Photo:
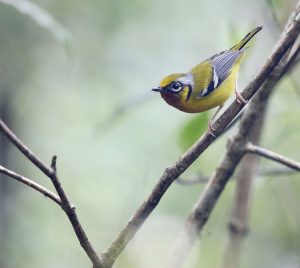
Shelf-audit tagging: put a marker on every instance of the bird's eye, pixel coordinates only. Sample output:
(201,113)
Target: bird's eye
(176,86)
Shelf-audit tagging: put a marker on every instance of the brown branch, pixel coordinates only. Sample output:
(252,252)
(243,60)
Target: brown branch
(293,59)
(207,201)
(238,223)
(238,226)
(253,149)
(31,184)
(294,16)
(173,172)
(66,205)
(168,176)
(24,149)
(235,152)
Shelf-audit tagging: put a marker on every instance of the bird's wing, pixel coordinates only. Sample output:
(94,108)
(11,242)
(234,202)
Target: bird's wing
(221,66)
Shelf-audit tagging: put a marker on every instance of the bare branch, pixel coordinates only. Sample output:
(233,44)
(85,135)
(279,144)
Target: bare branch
(170,174)
(293,58)
(66,205)
(294,16)
(232,123)
(31,184)
(24,149)
(253,149)
(207,201)
(53,163)
(173,172)
(238,225)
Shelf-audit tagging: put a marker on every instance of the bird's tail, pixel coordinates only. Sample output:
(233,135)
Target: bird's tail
(246,39)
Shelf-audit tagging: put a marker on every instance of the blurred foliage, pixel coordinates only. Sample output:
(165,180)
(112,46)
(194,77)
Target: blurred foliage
(276,3)
(40,16)
(91,105)
(192,130)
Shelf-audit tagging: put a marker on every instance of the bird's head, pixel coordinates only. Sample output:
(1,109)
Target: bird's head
(176,88)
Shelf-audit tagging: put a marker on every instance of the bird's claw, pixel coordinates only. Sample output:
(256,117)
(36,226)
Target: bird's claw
(211,129)
(239,98)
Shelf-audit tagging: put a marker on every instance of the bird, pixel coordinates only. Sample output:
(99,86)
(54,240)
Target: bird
(208,84)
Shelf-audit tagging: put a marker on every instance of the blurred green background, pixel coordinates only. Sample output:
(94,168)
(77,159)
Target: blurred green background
(82,91)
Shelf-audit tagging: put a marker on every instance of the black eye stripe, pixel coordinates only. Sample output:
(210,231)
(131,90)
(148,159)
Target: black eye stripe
(189,92)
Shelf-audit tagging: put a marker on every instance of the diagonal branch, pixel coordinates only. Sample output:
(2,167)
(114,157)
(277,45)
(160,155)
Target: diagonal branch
(66,205)
(253,149)
(24,149)
(31,184)
(238,225)
(173,172)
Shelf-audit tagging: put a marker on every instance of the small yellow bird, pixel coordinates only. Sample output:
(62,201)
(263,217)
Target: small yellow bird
(207,85)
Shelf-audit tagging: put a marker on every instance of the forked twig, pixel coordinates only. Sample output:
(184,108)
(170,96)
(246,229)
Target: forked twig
(66,205)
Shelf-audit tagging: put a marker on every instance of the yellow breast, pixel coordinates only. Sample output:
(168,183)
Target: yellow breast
(198,104)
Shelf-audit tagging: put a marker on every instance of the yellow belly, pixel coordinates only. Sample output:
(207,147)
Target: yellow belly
(216,98)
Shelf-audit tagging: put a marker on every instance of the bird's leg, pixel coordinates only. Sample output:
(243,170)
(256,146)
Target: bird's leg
(239,98)
(210,127)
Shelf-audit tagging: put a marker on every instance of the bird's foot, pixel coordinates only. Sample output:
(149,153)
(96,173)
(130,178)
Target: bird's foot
(211,129)
(239,98)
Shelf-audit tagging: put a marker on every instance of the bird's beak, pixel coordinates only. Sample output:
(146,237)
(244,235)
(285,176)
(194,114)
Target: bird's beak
(157,89)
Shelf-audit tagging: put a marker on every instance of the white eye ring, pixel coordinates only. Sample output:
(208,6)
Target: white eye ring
(176,86)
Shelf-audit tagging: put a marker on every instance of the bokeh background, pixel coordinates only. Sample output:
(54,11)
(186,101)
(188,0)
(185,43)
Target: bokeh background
(78,86)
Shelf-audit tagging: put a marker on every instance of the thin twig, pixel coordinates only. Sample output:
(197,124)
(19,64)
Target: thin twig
(173,172)
(31,184)
(253,149)
(66,205)
(24,149)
